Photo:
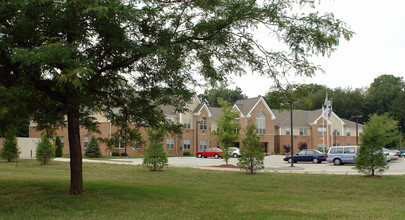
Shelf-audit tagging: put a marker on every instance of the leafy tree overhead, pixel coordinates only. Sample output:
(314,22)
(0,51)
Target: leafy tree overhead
(228,128)
(229,95)
(379,131)
(125,58)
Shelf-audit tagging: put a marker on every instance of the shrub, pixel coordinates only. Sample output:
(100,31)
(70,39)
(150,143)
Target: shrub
(155,157)
(253,154)
(10,149)
(58,147)
(186,153)
(115,154)
(287,149)
(45,150)
(124,155)
(302,146)
(93,149)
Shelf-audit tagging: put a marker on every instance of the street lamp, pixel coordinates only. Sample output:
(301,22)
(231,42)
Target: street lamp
(357,130)
(292,139)
(196,136)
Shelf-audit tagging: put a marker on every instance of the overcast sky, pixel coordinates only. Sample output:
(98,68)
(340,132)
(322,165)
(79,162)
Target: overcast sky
(377,48)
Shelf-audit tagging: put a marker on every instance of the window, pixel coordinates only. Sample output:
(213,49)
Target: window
(218,145)
(203,123)
(62,140)
(187,144)
(170,118)
(310,152)
(236,121)
(170,144)
(337,150)
(347,131)
(302,153)
(321,130)
(349,150)
(322,146)
(303,131)
(260,123)
(287,131)
(336,132)
(86,141)
(138,144)
(187,123)
(119,143)
(203,144)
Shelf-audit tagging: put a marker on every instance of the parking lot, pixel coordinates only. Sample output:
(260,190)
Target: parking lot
(273,163)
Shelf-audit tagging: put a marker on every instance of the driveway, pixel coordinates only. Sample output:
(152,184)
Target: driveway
(273,163)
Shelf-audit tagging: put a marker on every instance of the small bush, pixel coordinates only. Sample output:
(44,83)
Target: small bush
(58,147)
(115,154)
(124,155)
(287,149)
(186,153)
(45,150)
(10,149)
(155,158)
(93,149)
(302,146)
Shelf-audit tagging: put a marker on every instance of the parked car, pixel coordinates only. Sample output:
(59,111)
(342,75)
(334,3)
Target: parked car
(211,152)
(307,155)
(339,155)
(392,154)
(401,153)
(234,152)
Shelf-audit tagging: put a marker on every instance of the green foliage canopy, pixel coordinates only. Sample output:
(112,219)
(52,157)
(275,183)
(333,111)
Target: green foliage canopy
(379,131)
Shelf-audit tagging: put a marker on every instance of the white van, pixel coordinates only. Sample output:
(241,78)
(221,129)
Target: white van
(339,155)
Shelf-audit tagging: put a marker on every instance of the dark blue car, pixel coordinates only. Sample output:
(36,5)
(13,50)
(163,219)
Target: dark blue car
(307,155)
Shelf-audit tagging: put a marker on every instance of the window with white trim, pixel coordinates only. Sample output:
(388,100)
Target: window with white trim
(119,143)
(203,144)
(260,123)
(62,141)
(187,144)
(85,141)
(203,123)
(336,132)
(321,130)
(170,144)
(187,123)
(287,131)
(304,131)
(347,131)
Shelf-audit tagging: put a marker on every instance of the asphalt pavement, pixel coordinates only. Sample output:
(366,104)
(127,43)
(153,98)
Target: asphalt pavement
(272,163)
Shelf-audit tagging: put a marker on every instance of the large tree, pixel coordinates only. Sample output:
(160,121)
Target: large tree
(125,58)
(230,95)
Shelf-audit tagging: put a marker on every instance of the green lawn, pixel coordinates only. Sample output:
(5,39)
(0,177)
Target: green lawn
(33,191)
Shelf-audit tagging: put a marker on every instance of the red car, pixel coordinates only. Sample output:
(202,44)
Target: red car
(211,152)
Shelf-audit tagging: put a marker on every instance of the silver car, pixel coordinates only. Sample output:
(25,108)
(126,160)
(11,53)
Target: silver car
(234,152)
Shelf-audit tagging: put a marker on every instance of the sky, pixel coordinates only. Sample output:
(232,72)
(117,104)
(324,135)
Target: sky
(378,47)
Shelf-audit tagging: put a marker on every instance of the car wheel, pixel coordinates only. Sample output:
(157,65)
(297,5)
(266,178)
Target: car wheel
(216,156)
(199,156)
(315,160)
(289,160)
(337,162)
(235,155)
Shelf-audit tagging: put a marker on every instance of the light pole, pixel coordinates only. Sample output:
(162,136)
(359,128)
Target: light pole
(196,136)
(292,139)
(357,130)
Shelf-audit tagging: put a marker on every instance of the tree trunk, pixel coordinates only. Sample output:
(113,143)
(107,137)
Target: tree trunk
(76,175)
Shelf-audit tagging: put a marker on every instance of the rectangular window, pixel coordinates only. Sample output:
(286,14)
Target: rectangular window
(337,150)
(86,141)
(170,144)
(203,144)
(321,130)
(287,131)
(203,123)
(218,145)
(62,140)
(349,150)
(187,144)
(347,131)
(236,121)
(138,145)
(187,123)
(303,131)
(119,143)
(322,146)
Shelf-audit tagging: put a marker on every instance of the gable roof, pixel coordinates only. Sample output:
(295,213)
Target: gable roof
(200,107)
(216,113)
(246,106)
(351,124)
(301,117)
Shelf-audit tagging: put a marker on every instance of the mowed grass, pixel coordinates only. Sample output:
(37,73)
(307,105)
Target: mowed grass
(33,191)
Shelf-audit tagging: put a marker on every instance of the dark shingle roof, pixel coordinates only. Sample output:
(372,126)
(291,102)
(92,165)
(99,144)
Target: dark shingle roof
(300,117)
(246,105)
(216,113)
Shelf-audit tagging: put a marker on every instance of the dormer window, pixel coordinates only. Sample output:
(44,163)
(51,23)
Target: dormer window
(203,123)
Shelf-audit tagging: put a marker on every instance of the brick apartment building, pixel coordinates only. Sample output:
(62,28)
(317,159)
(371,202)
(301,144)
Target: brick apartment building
(314,128)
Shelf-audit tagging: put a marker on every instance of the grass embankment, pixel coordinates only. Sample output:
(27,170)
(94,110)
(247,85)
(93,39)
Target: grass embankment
(33,191)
